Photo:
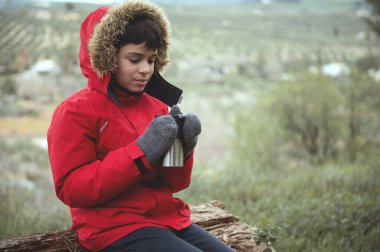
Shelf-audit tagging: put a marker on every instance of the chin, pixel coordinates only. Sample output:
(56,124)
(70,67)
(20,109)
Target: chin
(140,89)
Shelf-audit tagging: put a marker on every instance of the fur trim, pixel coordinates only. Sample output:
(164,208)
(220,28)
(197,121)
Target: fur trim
(101,45)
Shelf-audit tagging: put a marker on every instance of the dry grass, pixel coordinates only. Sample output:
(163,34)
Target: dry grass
(28,125)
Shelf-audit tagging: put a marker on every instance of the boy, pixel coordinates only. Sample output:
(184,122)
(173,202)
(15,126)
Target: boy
(106,141)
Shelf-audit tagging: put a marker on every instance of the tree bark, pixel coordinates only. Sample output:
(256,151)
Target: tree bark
(211,216)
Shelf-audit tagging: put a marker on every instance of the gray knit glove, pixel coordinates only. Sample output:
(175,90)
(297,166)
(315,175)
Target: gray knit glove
(191,129)
(158,138)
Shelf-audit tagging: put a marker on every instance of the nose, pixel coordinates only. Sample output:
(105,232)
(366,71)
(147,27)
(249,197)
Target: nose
(144,68)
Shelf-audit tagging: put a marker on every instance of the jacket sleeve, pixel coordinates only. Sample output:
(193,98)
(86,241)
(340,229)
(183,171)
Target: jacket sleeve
(80,179)
(178,178)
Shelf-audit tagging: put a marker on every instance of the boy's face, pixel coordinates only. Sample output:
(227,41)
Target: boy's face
(136,65)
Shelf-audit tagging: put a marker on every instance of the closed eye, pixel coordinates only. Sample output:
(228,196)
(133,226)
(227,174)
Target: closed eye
(134,61)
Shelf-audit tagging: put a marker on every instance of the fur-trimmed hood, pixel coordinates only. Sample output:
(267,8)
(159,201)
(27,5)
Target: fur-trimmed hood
(101,29)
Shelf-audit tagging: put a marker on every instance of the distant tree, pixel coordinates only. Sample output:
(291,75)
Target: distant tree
(296,119)
(8,92)
(308,110)
(312,117)
(21,61)
(361,106)
(7,87)
(68,57)
(261,62)
(374,19)
(69,6)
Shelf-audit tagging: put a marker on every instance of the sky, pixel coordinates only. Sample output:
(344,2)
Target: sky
(80,1)
(46,3)
(114,1)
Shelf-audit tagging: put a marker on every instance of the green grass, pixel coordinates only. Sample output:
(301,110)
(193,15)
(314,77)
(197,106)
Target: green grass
(28,204)
(323,208)
(25,212)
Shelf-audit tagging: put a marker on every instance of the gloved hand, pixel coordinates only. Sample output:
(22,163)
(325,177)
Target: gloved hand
(191,129)
(158,138)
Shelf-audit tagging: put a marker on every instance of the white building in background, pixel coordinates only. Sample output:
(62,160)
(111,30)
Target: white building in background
(40,81)
(41,67)
(46,66)
(335,69)
(375,74)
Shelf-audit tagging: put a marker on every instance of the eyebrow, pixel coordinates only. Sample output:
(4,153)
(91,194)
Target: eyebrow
(139,54)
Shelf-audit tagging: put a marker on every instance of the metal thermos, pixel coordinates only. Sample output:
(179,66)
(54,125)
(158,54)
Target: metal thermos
(174,157)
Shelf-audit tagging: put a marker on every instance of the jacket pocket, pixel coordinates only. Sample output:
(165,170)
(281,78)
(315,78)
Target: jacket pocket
(114,132)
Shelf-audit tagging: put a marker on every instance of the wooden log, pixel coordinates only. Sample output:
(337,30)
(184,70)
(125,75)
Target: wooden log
(211,216)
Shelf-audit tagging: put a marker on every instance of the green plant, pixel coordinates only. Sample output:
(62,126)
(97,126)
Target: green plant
(267,233)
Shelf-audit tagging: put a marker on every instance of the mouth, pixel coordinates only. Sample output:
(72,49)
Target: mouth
(141,82)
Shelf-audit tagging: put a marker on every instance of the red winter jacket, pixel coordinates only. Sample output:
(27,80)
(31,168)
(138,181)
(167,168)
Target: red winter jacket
(94,160)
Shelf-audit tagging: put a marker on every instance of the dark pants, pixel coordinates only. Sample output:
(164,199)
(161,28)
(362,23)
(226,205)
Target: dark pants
(154,239)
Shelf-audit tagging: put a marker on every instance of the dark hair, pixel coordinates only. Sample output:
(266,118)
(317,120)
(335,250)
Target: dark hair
(141,29)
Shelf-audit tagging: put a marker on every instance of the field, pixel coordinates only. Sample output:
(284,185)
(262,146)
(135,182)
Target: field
(232,61)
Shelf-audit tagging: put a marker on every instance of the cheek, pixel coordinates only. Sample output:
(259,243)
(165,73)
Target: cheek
(151,69)
(125,69)
(123,75)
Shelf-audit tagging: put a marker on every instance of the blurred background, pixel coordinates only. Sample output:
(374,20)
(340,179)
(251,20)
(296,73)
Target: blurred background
(288,92)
